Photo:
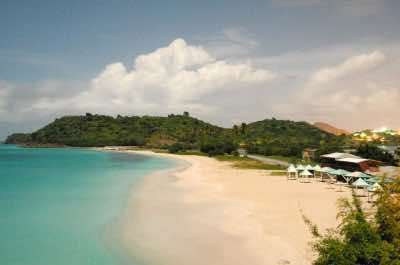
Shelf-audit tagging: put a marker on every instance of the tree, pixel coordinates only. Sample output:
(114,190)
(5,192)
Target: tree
(374,152)
(175,148)
(361,239)
(235,129)
(243,128)
(214,146)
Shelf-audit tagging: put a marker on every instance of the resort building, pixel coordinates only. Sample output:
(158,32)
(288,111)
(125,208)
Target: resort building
(349,162)
(309,154)
(242,152)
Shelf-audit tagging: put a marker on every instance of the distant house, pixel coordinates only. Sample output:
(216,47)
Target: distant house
(349,162)
(309,153)
(242,152)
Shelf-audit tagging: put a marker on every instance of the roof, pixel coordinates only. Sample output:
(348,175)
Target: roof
(360,182)
(326,169)
(340,155)
(357,174)
(317,168)
(309,167)
(305,173)
(291,169)
(340,172)
(352,160)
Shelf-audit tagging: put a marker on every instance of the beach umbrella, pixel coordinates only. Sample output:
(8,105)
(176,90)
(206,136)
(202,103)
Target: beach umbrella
(340,172)
(317,168)
(359,174)
(292,172)
(306,173)
(356,175)
(343,172)
(373,180)
(360,183)
(348,177)
(331,171)
(291,169)
(309,167)
(326,169)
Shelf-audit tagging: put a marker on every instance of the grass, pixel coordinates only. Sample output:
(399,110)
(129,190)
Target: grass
(285,158)
(192,153)
(247,163)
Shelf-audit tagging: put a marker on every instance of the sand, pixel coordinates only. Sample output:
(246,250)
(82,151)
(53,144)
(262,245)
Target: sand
(209,213)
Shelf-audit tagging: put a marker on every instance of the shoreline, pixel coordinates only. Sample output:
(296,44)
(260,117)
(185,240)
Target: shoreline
(206,212)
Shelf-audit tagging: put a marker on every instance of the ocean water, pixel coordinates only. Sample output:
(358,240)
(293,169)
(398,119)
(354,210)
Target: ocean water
(56,205)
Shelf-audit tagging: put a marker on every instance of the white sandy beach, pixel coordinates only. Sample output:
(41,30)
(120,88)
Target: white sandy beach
(207,212)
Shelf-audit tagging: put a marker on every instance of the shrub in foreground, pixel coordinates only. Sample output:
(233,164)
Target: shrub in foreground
(363,239)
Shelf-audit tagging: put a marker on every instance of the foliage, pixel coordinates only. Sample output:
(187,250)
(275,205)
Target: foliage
(267,137)
(191,153)
(362,239)
(176,147)
(374,152)
(217,146)
(326,149)
(18,138)
(100,130)
(388,137)
(286,138)
(291,160)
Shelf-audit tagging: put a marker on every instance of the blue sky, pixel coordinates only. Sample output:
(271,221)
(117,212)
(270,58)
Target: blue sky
(52,51)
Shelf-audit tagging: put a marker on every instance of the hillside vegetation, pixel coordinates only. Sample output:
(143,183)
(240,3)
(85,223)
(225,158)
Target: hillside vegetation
(287,138)
(100,130)
(180,132)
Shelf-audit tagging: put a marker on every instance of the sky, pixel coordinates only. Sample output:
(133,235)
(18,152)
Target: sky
(336,61)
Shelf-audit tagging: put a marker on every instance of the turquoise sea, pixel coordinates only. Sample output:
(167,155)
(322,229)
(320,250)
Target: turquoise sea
(56,205)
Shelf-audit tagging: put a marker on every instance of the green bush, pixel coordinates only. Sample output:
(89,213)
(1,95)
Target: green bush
(374,152)
(215,146)
(361,239)
(176,147)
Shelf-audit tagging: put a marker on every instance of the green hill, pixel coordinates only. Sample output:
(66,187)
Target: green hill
(284,137)
(177,132)
(100,130)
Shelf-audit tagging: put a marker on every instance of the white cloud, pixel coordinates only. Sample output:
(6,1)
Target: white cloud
(358,93)
(231,42)
(360,90)
(172,78)
(353,65)
(239,36)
